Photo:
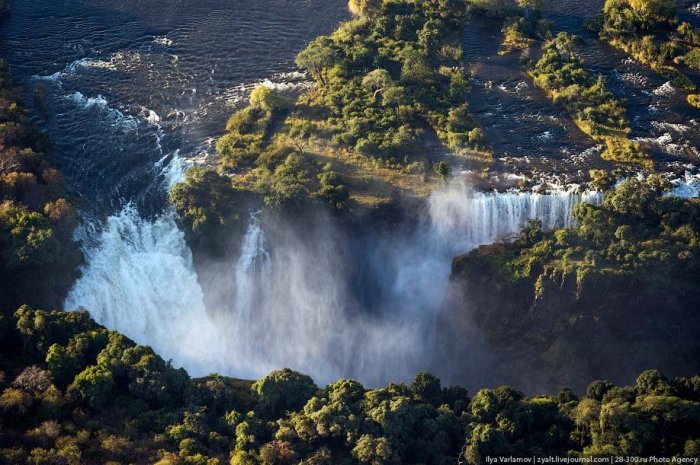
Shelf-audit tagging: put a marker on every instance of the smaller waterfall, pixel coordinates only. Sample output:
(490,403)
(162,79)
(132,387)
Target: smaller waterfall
(252,271)
(469,219)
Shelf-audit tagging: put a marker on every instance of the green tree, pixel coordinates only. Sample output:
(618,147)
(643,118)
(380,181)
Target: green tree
(317,57)
(377,81)
(208,206)
(370,8)
(62,365)
(267,99)
(282,391)
(93,386)
(372,450)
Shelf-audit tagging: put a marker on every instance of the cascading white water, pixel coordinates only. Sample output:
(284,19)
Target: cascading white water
(292,306)
(139,280)
(469,219)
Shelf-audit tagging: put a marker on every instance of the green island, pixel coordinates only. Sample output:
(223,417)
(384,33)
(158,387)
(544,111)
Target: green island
(389,87)
(649,31)
(387,116)
(561,74)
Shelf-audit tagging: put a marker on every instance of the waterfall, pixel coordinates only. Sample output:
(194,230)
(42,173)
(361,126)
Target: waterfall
(252,272)
(139,280)
(290,303)
(469,219)
(292,306)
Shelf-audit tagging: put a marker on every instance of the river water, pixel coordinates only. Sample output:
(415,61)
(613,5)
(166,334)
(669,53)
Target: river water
(138,91)
(128,83)
(532,136)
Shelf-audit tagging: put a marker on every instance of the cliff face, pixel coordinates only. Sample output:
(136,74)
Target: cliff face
(553,330)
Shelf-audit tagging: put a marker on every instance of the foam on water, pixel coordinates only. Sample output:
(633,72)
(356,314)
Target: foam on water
(165,41)
(665,90)
(114,116)
(686,187)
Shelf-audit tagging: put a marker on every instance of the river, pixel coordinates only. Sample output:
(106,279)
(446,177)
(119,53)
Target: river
(136,92)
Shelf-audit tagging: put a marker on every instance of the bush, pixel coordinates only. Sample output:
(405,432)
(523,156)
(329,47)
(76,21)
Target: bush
(282,391)
(93,386)
(692,59)
(208,206)
(442,169)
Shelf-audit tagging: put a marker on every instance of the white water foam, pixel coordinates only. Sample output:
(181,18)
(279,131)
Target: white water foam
(114,116)
(139,280)
(686,187)
(664,143)
(163,40)
(665,90)
(75,66)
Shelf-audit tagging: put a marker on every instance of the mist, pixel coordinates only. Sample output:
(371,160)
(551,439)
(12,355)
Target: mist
(308,294)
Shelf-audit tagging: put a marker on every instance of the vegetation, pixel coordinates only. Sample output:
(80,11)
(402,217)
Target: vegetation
(39,257)
(76,393)
(560,72)
(73,392)
(635,231)
(523,27)
(694,100)
(648,31)
(390,91)
(208,207)
(387,79)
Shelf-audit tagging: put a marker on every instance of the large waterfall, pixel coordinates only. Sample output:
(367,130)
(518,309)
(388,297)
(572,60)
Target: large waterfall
(139,280)
(292,304)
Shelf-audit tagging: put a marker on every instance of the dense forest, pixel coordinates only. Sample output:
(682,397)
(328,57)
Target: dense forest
(75,392)
(386,118)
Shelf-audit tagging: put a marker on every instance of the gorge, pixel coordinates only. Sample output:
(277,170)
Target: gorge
(347,302)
